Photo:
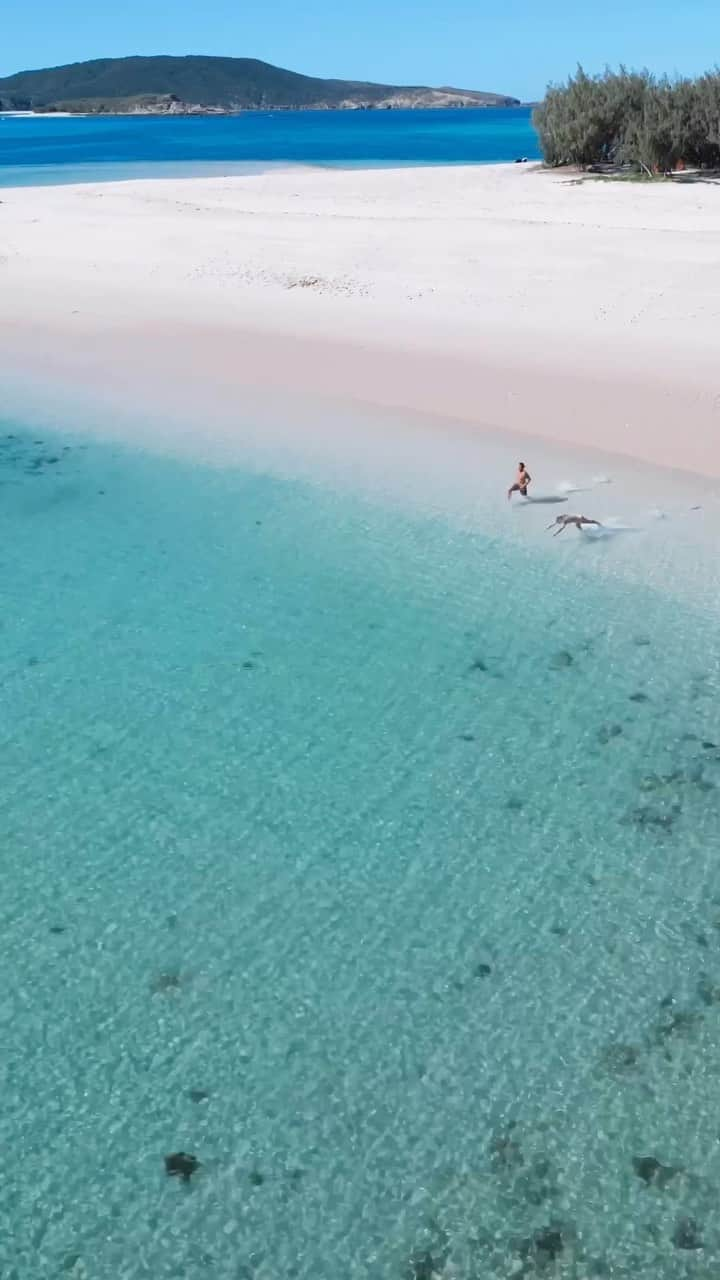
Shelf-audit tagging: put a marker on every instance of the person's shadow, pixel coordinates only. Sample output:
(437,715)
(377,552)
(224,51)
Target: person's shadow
(550,500)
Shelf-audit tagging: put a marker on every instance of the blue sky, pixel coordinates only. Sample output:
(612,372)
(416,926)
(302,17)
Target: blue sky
(509,46)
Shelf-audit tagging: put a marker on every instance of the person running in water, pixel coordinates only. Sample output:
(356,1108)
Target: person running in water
(578,521)
(522,481)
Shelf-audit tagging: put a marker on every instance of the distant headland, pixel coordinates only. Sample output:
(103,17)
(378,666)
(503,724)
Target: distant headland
(198,85)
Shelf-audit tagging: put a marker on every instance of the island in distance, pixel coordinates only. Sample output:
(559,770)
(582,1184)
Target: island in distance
(198,85)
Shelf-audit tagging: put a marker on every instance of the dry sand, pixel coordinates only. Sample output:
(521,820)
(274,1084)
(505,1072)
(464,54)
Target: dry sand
(585,312)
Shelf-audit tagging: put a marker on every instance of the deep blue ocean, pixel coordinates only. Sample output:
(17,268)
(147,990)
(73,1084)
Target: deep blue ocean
(60,149)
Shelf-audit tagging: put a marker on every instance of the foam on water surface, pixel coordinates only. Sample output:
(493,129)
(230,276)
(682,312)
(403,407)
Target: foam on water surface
(367,858)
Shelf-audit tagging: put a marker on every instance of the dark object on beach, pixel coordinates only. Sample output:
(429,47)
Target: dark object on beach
(687,1234)
(561,660)
(198,1095)
(639,697)
(181,1165)
(482,970)
(652,1172)
(521,160)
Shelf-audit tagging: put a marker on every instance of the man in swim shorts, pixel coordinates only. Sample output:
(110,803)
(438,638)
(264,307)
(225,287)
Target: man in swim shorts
(578,521)
(522,481)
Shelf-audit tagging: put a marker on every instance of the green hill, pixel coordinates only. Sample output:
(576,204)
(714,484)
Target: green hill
(199,84)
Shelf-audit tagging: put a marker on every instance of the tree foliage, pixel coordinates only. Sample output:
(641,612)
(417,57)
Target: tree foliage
(631,118)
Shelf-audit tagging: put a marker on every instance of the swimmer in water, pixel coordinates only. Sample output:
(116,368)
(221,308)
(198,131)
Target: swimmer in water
(578,521)
(522,481)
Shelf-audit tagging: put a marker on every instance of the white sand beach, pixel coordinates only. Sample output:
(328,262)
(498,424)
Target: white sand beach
(586,312)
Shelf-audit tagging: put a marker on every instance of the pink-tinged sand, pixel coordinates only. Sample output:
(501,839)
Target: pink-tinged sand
(587,314)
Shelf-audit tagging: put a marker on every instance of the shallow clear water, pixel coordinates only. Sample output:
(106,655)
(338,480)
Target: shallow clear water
(57,149)
(369,860)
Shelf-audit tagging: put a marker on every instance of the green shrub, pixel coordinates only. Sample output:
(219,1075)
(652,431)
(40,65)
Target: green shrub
(631,118)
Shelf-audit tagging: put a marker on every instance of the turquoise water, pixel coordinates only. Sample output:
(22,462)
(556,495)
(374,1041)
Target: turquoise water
(57,149)
(368,860)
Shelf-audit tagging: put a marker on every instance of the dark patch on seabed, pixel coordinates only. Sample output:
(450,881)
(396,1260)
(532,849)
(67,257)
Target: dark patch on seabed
(31,457)
(525,1177)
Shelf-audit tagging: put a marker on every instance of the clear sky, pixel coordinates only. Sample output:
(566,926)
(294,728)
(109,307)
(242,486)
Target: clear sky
(508,46)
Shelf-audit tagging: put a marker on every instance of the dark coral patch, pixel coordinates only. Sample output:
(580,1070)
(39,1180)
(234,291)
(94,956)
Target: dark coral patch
(181,1165)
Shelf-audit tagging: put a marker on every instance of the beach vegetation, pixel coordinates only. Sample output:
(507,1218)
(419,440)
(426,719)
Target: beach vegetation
(632,121)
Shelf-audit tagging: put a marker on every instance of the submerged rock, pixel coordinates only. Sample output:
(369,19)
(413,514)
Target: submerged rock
(661,781)
(561,660)
(681,1023)
(544,1247)
(687,1234)
(537,1184)
(607,732)
(505,1149)
(708,991)
(165,983)
(181,1165)
(653,1173)
(618,1059)
(653,819)
(422,1266)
